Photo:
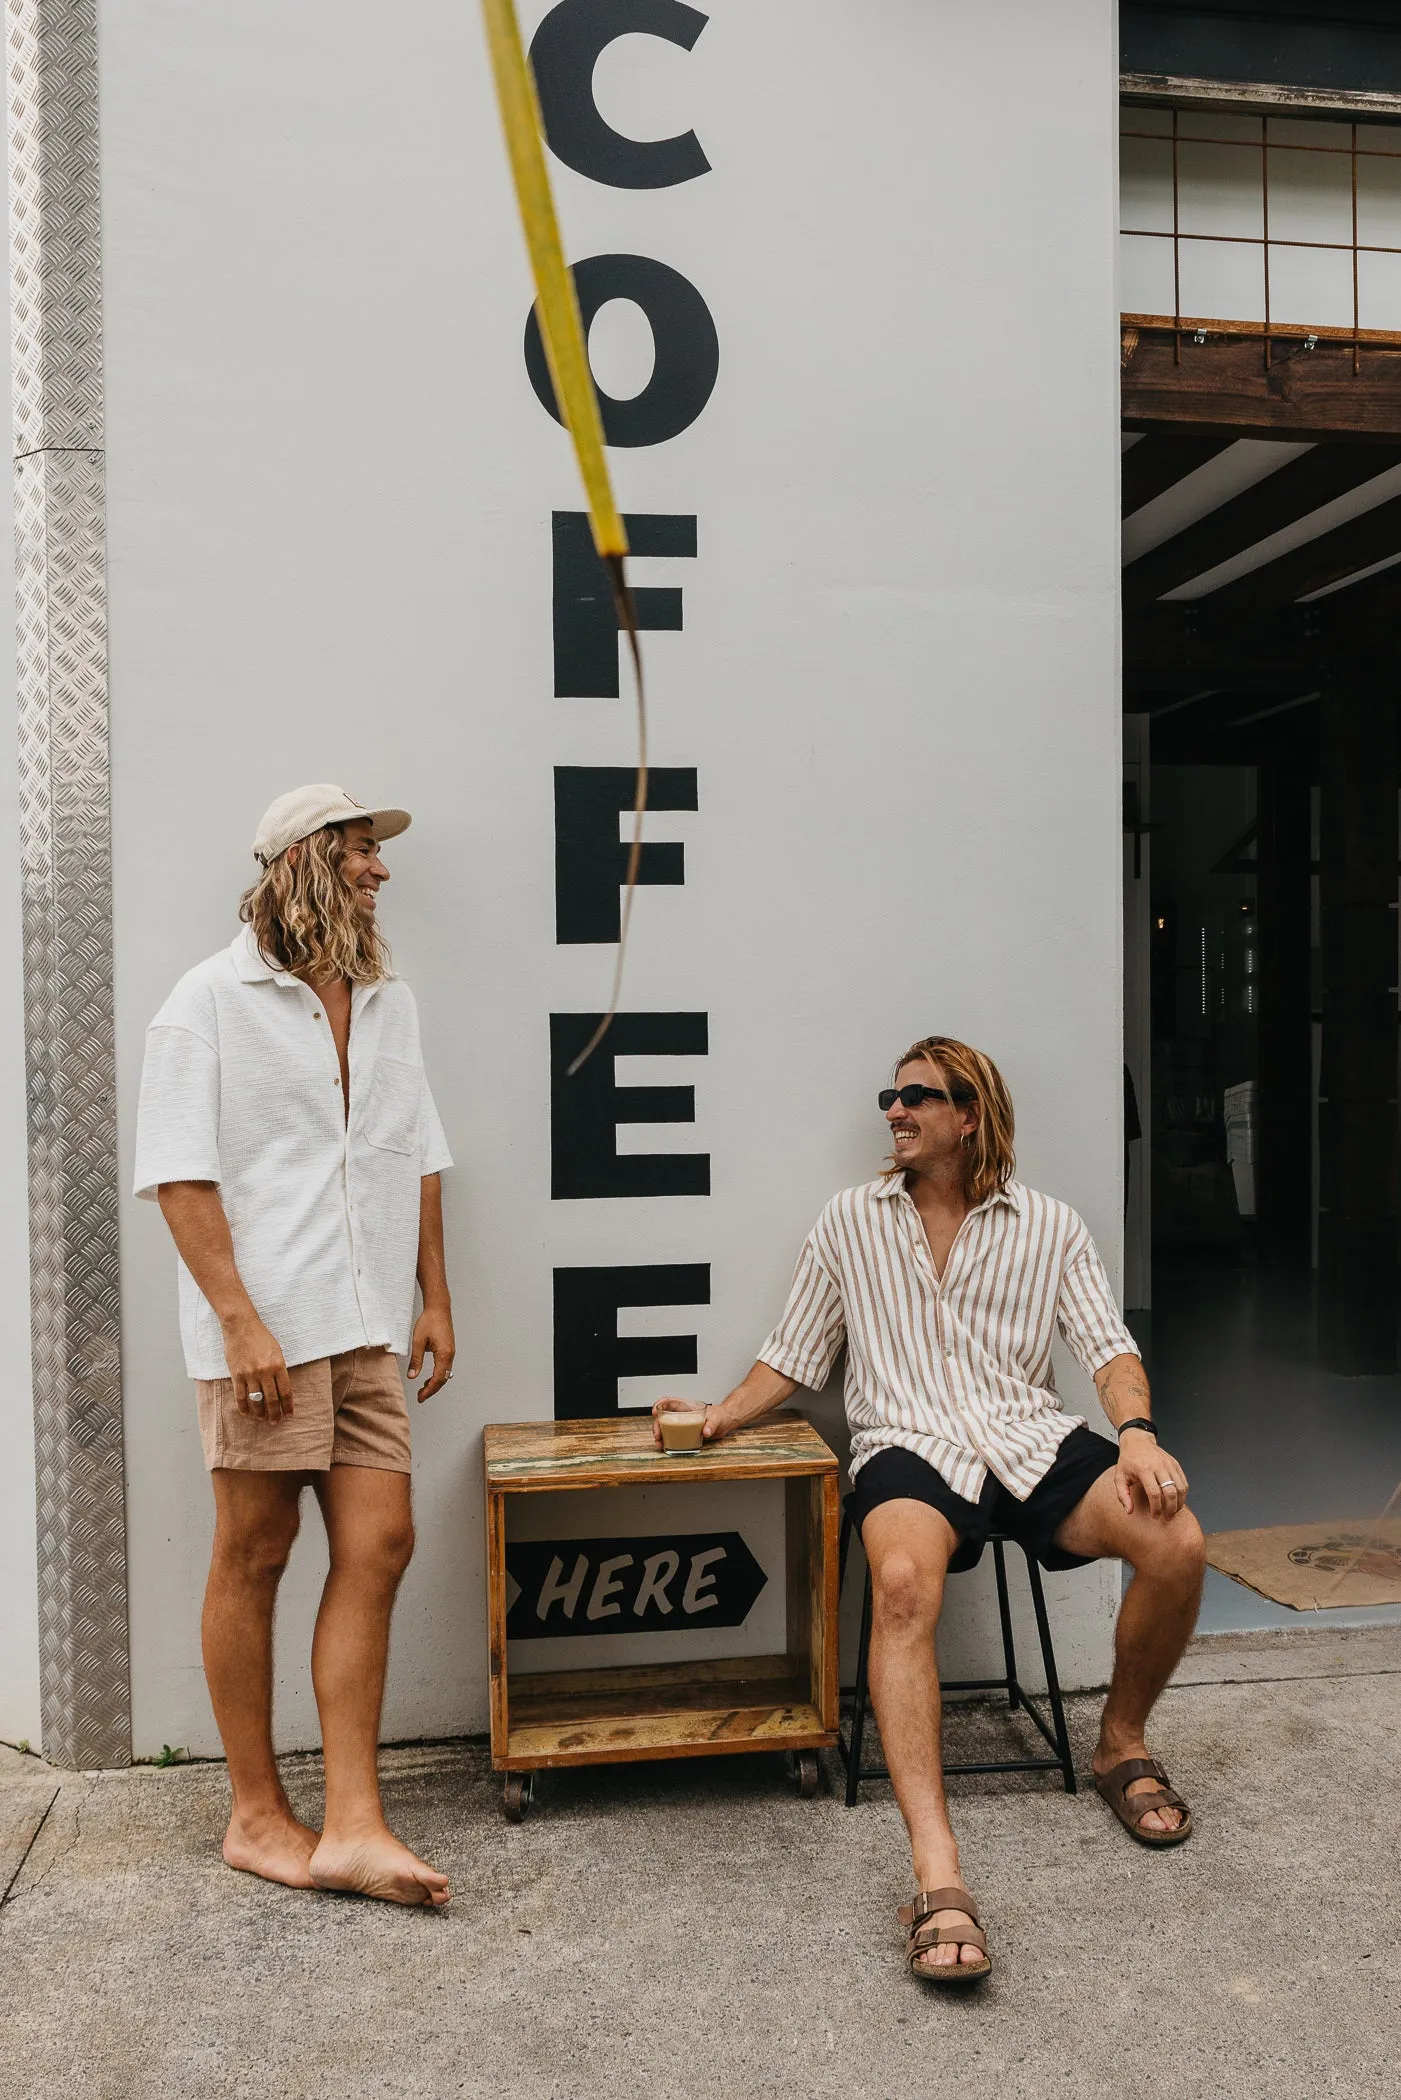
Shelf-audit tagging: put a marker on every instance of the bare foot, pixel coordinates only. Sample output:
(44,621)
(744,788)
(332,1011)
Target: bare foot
(376,1864)
(278,1848)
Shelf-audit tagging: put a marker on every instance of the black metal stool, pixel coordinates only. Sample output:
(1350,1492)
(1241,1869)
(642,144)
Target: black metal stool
(849,1743)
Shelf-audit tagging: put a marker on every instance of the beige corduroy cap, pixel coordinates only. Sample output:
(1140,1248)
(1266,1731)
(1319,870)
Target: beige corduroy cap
(306,809)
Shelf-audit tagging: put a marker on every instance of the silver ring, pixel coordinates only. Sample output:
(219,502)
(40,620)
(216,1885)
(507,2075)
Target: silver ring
(255,1396)
(1167,1483)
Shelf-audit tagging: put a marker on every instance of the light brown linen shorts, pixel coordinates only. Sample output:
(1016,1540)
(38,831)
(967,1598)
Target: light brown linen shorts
(347,1410)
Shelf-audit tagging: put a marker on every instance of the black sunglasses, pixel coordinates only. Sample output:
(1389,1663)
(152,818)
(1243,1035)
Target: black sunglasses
(913,1096)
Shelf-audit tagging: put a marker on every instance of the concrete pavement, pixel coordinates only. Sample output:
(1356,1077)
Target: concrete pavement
(694,1929)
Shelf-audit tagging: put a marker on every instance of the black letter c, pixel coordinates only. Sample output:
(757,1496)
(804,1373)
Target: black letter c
(566,48)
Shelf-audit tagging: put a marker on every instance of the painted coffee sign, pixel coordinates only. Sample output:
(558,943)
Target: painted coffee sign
(586,1111)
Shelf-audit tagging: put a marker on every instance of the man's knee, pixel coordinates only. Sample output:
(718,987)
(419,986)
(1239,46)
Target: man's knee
(381,1550)
(906,1592)
(256,1549)
(1174,1550)
(398,1546)
(1189,1542)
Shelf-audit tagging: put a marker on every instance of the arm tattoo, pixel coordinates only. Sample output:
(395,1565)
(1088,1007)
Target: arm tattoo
(1123,1392)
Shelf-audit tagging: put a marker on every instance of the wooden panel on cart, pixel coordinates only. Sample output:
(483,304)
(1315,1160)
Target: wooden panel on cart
(706,1707)
(578,1717)
(618,1450)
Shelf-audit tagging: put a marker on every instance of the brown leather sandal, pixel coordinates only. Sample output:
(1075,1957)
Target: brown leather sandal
(1131,1809)
(920,1937)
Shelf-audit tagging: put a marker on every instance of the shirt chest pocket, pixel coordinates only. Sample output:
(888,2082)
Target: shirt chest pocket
(392,1112)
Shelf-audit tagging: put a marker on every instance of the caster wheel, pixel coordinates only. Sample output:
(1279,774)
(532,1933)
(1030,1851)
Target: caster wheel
(517,1795)
(806,1773)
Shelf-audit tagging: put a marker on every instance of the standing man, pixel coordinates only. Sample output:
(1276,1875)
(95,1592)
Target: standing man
(287,1131)
(947,1279)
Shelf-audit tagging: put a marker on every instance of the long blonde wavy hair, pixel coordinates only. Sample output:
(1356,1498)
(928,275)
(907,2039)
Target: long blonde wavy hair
(973,1080)
(305,918)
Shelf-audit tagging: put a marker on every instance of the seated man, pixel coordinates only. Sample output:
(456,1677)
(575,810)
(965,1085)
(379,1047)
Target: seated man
(947,1279)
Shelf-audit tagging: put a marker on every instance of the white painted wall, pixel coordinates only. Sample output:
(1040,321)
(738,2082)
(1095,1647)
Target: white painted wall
(19,1599)
(330,488)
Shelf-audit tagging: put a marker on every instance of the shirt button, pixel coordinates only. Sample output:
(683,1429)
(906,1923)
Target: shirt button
(335,1082)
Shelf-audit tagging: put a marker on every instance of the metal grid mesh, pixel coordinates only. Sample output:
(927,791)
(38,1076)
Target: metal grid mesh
(66,878)
(1275,137)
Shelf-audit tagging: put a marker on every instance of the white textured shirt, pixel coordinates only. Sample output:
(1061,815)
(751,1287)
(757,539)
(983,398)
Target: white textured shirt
(958,1369)
(241,1086)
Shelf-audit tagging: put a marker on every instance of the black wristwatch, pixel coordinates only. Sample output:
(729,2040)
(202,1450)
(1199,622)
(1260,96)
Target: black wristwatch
(1138,1422)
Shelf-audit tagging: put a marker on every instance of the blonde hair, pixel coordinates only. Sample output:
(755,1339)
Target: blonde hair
(304,915)
(973,1080)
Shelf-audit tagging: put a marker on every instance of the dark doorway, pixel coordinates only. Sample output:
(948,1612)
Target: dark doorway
(1261,972)
(1204,1020)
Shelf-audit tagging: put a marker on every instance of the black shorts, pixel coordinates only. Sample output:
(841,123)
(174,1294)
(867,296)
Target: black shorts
(897,1475)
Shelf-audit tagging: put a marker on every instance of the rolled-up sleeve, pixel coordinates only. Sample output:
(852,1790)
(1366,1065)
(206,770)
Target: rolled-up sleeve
(807,1340)
(433,1153)
(1086,1312)
(177,1120)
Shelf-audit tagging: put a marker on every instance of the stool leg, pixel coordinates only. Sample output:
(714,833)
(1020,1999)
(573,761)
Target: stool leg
(858,1699)
(1048,1657)
(1004,1613)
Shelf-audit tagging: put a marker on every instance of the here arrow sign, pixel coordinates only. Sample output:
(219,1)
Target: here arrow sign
(630,1585)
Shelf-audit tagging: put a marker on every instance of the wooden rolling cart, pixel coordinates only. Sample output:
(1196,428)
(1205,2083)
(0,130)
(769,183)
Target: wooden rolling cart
(786,1703)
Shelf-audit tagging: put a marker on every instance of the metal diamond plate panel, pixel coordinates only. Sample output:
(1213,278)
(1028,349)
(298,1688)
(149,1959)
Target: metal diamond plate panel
(55,252)
(66,877)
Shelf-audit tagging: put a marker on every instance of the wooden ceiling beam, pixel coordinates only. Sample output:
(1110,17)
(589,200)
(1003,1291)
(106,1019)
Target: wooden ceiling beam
(1304,485)
(1226,383)
(1233,709)
(1190,641)
(1328,559)
(1291,740)
(1369,607)
(1260,648)
(1159,460)
(1145,694)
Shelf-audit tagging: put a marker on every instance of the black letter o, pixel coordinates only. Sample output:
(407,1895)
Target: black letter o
(686,347)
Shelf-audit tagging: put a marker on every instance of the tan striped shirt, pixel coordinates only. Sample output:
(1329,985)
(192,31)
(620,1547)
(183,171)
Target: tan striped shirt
(957,1371)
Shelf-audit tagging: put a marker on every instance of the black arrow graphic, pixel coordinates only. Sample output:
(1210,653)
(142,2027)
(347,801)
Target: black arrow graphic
(668,1583)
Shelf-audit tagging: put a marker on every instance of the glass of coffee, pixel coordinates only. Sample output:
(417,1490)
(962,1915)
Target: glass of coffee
(681,1432)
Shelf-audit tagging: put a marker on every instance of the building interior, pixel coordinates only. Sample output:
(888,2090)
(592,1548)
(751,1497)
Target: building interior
(1261,587)
(1260,832)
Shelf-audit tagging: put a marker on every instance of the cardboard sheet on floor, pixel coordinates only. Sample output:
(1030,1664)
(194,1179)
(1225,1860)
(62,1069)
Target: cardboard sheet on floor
(1315,1567)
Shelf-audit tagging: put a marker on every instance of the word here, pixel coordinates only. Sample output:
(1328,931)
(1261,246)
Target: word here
(629,1585)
